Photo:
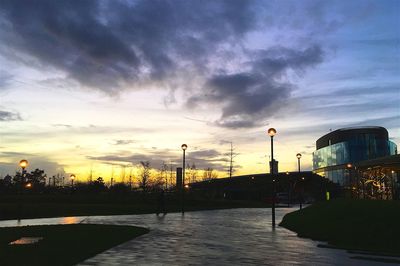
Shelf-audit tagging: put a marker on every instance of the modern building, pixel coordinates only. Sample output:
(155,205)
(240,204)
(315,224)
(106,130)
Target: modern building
(346,156)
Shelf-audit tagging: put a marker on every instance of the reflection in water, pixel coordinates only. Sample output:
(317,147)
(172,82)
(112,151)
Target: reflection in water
(70,220)
(220,237)
(26,241)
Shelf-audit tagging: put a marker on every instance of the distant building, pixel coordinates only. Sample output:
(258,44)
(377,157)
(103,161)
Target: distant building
(347,156)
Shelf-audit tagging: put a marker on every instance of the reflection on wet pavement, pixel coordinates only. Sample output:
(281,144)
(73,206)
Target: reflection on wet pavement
(26,241)
(219,237)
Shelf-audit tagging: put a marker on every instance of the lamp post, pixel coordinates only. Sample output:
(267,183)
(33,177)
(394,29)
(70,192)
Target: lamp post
(349,167)
(23,164)
(298,160)
(289,188)
(184,147)
(298,166)
(301,192)
(72,180)
(271,133)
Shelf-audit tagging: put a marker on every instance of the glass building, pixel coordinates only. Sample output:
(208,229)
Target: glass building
(339,152)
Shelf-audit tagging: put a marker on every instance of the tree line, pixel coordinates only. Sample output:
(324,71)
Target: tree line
(147,179)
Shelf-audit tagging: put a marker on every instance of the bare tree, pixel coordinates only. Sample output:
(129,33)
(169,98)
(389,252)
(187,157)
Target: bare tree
(144,176)
(162,177)
(192,173)
(231,154)
(209,174)
(164,170)
(172,178)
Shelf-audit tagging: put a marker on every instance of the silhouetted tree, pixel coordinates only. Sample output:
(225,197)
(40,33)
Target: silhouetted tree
(6,183)
(144,176)
(192,173)
(209,174)
(120,188)
(37,179)
(163,176)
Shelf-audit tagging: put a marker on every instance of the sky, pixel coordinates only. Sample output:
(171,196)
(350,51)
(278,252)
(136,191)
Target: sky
(98,86)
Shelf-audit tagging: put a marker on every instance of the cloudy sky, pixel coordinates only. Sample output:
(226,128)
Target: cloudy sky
(103,85)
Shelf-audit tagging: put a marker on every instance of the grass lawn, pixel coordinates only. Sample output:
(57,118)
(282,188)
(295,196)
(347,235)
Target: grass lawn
(369,225)
(62,244)
(56,206)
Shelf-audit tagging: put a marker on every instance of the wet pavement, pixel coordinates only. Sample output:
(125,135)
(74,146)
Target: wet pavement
(218,237)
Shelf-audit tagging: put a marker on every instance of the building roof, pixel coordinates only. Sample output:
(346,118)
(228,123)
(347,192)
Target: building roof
(343,134)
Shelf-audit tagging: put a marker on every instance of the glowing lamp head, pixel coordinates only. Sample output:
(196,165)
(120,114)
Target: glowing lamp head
(23,164)
(29,185)
(186,186)
(72,177)
(184,146)
(271,132)
(298,155)
(302,178)
(349,165)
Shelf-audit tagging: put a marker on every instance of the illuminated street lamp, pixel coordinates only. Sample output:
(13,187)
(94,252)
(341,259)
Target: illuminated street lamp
(184,147)
(298,160)
(349,167)
(23,164)
(72,180)
(302,192)
(271,133)
(298,167)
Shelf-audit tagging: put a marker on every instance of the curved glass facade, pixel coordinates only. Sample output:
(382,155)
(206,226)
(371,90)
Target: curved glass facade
(352,151)
(331,159)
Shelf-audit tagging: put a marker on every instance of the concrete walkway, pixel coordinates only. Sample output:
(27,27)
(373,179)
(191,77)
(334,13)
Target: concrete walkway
(220,237)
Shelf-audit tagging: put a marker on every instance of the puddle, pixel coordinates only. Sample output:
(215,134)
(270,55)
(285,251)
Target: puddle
(26,241)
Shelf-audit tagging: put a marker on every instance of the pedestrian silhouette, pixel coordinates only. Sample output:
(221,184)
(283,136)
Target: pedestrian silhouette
(161,203)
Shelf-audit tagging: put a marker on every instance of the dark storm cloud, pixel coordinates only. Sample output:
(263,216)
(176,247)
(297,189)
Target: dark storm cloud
(35,161)
(110,45)
(5,79)
(106,44)
(9,116)
(202,158)
(204,154)
(247,98)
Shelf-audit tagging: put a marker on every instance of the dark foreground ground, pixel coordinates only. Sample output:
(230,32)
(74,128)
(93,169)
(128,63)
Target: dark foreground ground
(44,206)
(367,225)
(62,244)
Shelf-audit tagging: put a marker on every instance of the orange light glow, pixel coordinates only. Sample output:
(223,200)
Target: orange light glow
(272,131)
(23,164)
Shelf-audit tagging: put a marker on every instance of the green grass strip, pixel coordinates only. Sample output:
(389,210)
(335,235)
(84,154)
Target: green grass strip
(62,244)
(370,225)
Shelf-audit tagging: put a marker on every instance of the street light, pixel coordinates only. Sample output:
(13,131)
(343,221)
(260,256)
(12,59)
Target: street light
(271,133)
(298,160)
(184,147)
(349,167)
(72,180)
(298,166)
(23,164)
